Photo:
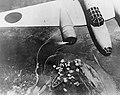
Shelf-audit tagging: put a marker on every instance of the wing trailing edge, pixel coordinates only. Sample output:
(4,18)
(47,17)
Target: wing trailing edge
(47,14)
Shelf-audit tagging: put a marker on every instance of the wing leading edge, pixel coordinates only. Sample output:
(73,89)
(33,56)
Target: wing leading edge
(47,14)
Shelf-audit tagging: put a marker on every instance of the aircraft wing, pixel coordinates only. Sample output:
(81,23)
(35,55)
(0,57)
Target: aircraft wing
(47,14)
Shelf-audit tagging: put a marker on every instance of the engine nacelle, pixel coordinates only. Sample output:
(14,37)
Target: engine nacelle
(67,28)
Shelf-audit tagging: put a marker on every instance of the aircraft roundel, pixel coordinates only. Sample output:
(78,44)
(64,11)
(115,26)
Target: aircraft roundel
(13,17)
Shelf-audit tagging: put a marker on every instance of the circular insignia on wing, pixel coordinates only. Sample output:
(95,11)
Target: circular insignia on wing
(13,17)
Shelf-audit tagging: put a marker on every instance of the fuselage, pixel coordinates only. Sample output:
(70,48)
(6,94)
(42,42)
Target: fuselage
(97,26)
(95,23)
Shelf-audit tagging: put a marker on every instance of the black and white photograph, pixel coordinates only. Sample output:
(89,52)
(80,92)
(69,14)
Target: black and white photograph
(59,47)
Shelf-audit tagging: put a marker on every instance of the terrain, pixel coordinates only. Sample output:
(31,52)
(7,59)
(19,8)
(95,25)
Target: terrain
(19,46)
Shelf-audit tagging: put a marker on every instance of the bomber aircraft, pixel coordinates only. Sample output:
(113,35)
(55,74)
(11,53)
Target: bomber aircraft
(68,14)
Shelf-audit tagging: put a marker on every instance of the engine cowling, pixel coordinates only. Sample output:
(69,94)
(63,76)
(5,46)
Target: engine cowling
(67,28)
